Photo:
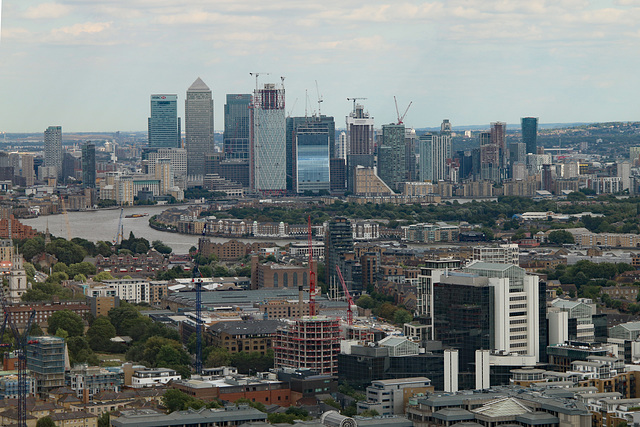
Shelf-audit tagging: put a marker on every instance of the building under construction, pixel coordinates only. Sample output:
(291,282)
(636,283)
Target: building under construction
(311,343)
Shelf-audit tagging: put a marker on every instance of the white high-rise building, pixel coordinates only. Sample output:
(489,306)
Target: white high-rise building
(434,151)
(268,140)
(178,158)
(341,147)
(624,172)
(198,118)
(53,148)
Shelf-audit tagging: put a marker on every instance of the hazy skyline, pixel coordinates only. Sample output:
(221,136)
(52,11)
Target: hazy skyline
(91,65)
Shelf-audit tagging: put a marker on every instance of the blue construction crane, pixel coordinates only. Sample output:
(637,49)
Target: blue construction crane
(198,287)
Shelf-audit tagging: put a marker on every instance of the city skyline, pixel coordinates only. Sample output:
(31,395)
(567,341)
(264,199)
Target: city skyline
(470,61)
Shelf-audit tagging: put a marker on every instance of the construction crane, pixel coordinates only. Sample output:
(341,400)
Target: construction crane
(347,295)
(66,217)
(20,345)
(401,118)
(256,76)
(312,274)
(119,232)
(354,101)
(320,100)
(198,287)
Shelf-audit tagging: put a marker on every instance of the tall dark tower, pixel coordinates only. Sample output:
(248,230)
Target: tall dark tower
(339,241)
(88,165)
(198,118)
(530,133)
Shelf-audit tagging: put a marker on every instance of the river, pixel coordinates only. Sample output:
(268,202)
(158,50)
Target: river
(103,224)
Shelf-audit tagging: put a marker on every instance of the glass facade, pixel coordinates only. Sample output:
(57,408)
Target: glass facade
(313,155)
(163,123)
(530,133)
(237,126)
(392,156)
(89,166)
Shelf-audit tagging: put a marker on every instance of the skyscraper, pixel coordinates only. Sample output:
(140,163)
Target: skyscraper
(88,165)
(293,123)
(313,153)
(499,138)
(237,126)
(530,133)
(164,124)
(268,140)
(339,241)
(198,123)
(392,167)
(489,157)
(359,142)
(434,151)
(53,148)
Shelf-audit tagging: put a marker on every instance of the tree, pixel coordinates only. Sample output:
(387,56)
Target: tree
(402,316)
(218,357)
(104,420)
(365,301)
(560,237)
(175,400)
(80,278)
(100,333)
(123,318)
(45,422)
(85,268)
(80,352)
(103,275)
(67,320)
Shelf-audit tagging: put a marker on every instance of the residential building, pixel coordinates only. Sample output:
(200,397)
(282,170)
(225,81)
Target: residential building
(53,149)
(177,158)
(502,254)
(88,381)
(164,124)
(89,165)
(359,144)
(142,378)
(198,123)
(434,151)
(268,140)
(233,387)
(392,167)
(249,336)
(529,126)
(47,362)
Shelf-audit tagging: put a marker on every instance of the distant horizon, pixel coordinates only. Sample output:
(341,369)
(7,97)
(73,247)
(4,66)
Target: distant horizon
(557,125)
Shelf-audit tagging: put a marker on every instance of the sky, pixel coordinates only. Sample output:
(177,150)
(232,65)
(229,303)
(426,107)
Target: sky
(91,65)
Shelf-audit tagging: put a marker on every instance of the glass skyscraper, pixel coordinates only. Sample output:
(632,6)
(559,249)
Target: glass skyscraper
(392,167)
(237,126)
(530,133)
(313,152)
(164,125)
(198,118)
(88,165)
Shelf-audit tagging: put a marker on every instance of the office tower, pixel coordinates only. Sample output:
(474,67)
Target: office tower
(164,125)
(530,133)
(326,123)
(499,138)
(313,153)
(178,157)
(88,165)
(237,126)
(341,146)
(71,166)
(434,151)
(546,182)
(338,174)
(198,125)
(53,149)
(308,343)
(392,168)
(28,171)
(268,141)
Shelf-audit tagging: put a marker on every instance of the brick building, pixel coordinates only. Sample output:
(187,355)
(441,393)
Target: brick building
(18,229)
(140,265)
(272,275)
(249,336)
(20,313)
(264,391)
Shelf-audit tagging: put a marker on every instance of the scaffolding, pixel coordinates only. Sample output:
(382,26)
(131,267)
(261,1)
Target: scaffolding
(310,342)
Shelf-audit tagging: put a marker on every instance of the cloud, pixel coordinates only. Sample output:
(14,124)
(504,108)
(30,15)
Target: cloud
(47,11)
(81,29)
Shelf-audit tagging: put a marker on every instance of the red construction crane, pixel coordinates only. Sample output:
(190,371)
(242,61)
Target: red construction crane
(401,118)
(348,295)
(312,274)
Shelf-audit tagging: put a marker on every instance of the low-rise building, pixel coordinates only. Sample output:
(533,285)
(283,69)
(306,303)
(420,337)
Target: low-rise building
(389,397)
(229,416)
(249,336)
(153,377)
(87,381)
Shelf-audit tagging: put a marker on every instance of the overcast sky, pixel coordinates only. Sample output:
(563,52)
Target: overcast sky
(90,65)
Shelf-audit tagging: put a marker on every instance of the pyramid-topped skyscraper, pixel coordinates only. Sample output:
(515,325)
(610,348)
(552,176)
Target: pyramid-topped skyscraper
(198,110)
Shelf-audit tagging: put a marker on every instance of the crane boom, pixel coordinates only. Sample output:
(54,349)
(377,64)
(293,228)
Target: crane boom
(354,99)
(348,295)
(118,239)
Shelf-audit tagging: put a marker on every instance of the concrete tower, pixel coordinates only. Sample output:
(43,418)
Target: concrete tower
(198,123)
(53,148)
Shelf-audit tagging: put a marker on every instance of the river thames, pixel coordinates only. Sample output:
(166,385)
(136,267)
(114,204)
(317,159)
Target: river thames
(103,224)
